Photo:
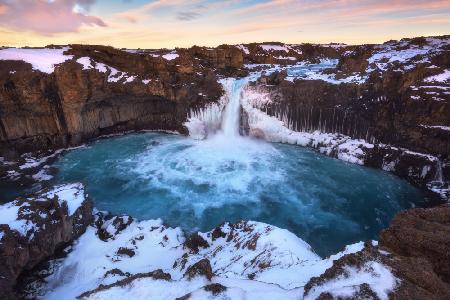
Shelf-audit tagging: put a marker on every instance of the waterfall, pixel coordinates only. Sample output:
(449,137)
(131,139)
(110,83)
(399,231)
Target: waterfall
(231,114)
(438,176)
(223,117)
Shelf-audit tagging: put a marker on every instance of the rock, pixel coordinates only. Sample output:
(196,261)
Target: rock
(200,268)
(194,242)
(422,233)
(125,251)
(414,248)
(108,225)
(38,226)
(215,288)
(115,91)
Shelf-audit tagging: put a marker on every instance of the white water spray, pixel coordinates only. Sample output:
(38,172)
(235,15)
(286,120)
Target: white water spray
(231,115)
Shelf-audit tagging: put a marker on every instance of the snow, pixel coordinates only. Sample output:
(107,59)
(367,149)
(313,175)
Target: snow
(170,56)
(286,57)
(405,53)
(42,175)
(276,256)
(72,194)
(378,276)
(42,59)
(34,162)
(441,127)
(443,77)
(86,62)
(114,75)
(243,48)
(274,48)
(130,79)
(9,213)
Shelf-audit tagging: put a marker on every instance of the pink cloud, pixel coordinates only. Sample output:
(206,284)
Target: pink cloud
(47,17)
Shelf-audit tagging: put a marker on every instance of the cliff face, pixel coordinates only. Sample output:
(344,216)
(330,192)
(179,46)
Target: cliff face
(100,90)
(394,96)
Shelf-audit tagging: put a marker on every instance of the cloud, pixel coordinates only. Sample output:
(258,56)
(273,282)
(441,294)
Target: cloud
(187,15)
(47,17)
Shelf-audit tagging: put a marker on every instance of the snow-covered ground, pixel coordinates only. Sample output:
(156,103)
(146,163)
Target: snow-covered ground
(253,260)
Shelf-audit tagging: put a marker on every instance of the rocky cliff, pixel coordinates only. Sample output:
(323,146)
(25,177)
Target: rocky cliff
(33,229)
(97,90)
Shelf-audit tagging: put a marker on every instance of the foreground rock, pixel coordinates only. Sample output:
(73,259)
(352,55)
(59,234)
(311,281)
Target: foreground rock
(34,228)
(416,248)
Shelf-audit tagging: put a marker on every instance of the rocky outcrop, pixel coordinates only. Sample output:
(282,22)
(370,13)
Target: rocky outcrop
(393,96)
(416,249)
(34,228)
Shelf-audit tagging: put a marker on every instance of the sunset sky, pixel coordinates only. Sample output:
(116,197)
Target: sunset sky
(182,23)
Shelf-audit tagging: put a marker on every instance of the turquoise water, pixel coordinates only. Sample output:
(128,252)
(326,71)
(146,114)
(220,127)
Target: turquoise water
(199,184)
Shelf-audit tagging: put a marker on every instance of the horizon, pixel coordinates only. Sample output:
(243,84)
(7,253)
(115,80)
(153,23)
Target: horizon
(206,46)
(156,24)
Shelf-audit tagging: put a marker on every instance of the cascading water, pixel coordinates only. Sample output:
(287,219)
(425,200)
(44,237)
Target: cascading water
(231,115)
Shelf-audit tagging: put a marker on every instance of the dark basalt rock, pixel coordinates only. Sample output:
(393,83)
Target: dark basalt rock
(423,233)
(108,225)
(215,288)
(194,242)
(200,268)
(125,252)
(53,228)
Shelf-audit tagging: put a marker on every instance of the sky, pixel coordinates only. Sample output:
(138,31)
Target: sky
(182,23)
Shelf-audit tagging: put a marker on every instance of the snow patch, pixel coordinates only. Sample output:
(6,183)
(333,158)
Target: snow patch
(443,77)
(43,59)
(72,194)
(170,56)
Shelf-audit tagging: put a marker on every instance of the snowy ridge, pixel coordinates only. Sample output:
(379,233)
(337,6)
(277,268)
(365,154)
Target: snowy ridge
(406,53)
(250,259)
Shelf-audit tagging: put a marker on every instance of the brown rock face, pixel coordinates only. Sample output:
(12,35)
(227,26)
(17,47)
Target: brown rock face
(423,233)
(121,91)
(52,228)
(418,248)
(200,268)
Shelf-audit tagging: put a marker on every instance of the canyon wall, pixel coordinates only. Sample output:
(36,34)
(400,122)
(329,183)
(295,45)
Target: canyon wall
(100,90)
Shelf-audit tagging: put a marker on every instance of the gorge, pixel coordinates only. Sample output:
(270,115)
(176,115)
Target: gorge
(246,110)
